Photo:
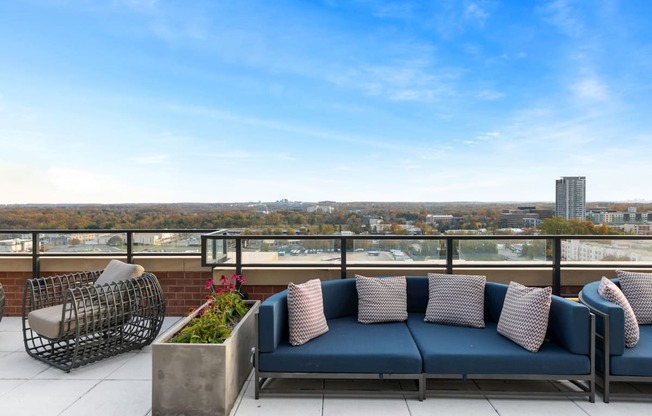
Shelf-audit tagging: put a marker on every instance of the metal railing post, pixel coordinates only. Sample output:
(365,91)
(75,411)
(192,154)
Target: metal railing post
(36,255)
(449,255)
(130,247)
(556,266)
(343,246)
(238,255)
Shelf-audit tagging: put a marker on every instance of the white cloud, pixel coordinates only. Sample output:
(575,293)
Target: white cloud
(590,88)
(473,11)
(561,14)
(154,159)
(490,95)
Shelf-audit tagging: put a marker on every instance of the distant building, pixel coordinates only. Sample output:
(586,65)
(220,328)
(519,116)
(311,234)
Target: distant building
(439,219)
(529,217)
(570,199)
(605,216)
(324,209)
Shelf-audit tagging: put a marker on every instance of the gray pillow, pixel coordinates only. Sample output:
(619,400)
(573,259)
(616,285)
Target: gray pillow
(456,299)
(524,318)
(609,291)
(306,319)
(116,271)
(637,288)
(381,299)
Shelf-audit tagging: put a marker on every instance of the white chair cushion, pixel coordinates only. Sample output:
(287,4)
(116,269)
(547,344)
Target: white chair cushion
(117,270)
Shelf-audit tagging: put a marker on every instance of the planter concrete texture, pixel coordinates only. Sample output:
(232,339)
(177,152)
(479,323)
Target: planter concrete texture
(202,379)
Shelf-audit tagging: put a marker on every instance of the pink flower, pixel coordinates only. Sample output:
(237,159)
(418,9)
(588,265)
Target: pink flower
(242,279)
(209,284)
(224,280)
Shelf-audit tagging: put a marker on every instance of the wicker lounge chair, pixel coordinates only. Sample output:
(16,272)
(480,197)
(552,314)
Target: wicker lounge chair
(79,318)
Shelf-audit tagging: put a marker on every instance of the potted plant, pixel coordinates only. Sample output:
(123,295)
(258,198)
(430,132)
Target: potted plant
(201,363)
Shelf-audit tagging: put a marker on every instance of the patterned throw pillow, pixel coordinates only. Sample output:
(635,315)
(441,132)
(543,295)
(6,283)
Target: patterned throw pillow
(306,317)
(609,291)
(381,299)
(524,318)
(637,288)
(456,299)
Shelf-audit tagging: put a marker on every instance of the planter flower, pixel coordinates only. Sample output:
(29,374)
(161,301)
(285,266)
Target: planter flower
(201,363)
(215,319)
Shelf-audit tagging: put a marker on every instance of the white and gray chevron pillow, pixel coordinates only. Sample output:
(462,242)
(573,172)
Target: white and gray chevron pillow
(306,319)
(381,299)
(524,317)
(456,299)
(609,291)
(637,288)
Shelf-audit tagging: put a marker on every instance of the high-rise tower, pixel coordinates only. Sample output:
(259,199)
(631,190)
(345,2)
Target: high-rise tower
(571,197)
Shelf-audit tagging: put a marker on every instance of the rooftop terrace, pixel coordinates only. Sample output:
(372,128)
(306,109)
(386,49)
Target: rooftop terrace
(121,385)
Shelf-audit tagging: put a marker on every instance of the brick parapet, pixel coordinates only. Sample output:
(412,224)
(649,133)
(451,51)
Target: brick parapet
(183,289)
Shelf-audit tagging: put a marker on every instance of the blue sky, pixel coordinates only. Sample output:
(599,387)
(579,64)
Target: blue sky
(128,101)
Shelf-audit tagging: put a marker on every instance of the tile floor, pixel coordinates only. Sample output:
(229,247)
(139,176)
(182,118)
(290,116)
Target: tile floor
(122,386)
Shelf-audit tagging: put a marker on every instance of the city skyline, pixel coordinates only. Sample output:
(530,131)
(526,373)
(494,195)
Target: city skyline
(147,101)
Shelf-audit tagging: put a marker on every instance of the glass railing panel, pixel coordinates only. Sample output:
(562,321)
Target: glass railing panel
(86,242)
(15,243)
(606,251)
(501,251)
(291,250)
(389,251)
(215,251)
(166,242)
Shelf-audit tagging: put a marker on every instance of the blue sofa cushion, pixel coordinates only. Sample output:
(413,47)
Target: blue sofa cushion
(635,361)
(448,349)
(349,347)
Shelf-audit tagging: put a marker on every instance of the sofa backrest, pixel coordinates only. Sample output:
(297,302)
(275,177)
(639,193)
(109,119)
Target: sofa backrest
(569,323)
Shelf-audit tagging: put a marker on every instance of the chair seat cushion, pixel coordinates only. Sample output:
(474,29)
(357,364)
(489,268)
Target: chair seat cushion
(635,361)
(349,347)
(47,321)
(449,349)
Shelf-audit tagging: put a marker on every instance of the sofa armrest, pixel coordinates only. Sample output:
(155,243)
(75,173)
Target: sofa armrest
(569,325)
(272,321)
(607,313)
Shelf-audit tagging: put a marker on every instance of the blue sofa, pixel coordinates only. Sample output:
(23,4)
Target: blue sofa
(417,350)
(614,362)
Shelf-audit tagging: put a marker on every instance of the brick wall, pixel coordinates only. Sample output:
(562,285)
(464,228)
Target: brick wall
(186,290)
(13,284)
(182,290)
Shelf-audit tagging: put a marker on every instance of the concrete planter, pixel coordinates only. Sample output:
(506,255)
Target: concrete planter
(202,379)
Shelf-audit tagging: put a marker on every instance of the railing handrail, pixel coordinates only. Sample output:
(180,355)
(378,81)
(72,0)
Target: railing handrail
(129,253)
(555,264)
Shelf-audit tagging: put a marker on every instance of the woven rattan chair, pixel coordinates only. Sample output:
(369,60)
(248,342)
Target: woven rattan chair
(73,320)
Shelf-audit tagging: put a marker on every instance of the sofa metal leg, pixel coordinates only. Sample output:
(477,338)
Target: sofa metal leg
(422,387)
